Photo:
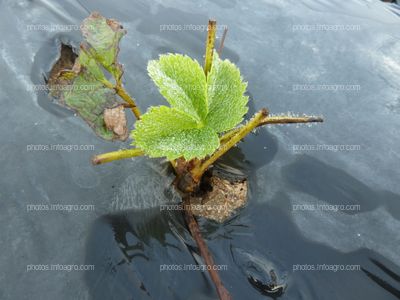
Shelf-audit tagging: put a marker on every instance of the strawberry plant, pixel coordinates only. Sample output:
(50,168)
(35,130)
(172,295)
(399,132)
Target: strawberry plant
(203,121)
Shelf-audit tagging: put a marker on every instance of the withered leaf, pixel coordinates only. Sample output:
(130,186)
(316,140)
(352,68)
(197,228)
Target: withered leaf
(80,83)
(115,120)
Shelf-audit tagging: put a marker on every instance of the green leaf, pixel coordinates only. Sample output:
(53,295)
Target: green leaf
(182,82)
(89,98)
(201,107)
(165,131)
(225,93)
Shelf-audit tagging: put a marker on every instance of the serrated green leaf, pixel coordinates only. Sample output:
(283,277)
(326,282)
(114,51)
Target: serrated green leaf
(165,131)
(103,36)
(201,108)
(182,82)
(225,94)
(89,98)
